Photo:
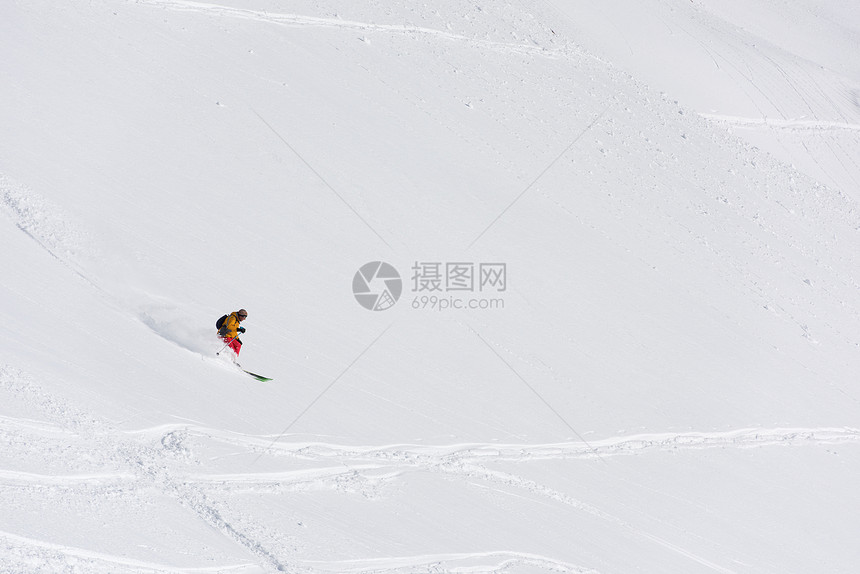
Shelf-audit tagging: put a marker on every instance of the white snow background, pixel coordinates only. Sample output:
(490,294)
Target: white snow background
(668,382)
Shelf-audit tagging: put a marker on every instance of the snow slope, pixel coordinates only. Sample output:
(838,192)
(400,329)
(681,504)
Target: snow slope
(666,383)
(783,76)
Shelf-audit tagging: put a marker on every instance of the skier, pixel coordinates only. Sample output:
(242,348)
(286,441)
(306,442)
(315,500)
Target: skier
(229,328)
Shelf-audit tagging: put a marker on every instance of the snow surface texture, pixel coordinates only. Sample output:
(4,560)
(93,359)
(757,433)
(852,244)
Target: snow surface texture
(667,382)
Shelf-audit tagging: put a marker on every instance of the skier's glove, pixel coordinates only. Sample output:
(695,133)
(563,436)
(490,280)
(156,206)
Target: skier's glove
(241,329)
(222,332)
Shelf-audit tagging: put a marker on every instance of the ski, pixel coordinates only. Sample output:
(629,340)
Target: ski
(258,377)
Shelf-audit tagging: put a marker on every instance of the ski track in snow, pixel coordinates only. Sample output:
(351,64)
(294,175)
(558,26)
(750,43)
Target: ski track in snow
(386,462)
(11,477)
(42,221)
(155,458)
(475,452)
(798,124)
(142,464)
(379,464)
(459,562)
(296,20)
(90,561)
(487,562)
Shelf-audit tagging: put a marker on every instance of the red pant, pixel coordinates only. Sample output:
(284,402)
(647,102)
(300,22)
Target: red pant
(235,344)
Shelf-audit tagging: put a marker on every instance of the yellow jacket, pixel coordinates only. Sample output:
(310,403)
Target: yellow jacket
(230,328)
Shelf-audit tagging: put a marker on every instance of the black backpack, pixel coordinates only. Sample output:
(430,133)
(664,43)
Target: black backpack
(220,322)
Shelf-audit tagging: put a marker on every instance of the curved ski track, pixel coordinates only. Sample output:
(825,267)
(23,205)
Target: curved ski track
(155,457)
(415,455)
(88,560)
(296,20)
